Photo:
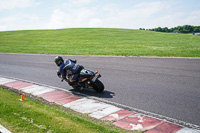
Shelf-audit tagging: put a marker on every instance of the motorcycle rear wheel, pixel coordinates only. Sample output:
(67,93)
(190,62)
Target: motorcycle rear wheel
(98,86)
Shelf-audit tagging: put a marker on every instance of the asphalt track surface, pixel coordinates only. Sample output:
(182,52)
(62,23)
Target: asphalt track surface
(164,86)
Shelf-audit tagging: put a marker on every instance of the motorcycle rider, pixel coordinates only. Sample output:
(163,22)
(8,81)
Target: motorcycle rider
(68,69)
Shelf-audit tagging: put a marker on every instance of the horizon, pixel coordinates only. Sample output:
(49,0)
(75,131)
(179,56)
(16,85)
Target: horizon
(92,28)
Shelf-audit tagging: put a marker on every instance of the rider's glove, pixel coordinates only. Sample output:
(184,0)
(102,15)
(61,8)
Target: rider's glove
(59,74)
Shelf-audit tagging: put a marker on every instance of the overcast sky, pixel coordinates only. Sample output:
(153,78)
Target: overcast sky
(130,14)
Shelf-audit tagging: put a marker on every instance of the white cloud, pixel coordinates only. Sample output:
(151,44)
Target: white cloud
(95,22)
(134,17)
(58,20)
(19,22)
(78,3)
(11,4)
(147,9)
(149,15)
(73,13)
(74,18)
(176,19)
(168,20)
(193,18)
(107,16)
(92,13)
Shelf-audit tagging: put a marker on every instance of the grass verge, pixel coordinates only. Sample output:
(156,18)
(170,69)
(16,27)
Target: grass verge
(100,41)
(32,116)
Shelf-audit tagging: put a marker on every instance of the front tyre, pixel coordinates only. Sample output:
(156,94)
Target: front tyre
(98,86)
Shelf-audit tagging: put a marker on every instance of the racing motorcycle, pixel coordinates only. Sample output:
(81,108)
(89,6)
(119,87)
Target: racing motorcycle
(87,78)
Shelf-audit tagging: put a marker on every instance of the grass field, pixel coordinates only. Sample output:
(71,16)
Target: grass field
(100,41)
(31,116)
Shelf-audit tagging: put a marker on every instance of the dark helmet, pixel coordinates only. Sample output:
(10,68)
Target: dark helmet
(58,60)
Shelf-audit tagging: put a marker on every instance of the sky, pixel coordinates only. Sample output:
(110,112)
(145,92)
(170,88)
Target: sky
(127,14)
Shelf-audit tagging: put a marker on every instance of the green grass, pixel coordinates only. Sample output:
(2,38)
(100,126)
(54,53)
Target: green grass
(31,116)
(100,41)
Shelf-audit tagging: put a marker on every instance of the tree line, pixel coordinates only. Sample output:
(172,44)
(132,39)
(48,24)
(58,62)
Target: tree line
(178,29)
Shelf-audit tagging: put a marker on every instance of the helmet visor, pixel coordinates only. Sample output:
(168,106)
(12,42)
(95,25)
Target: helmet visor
(58,63)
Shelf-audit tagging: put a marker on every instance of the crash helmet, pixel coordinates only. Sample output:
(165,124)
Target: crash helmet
(58,60)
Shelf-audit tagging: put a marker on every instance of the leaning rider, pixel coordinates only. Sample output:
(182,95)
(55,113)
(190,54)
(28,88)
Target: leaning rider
(68,70)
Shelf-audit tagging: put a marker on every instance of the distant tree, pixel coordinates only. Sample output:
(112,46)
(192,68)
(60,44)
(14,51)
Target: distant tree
(166,29)
(141,28)
(159,29)
(196,29)
(187,29)
(171,30)
(178,29)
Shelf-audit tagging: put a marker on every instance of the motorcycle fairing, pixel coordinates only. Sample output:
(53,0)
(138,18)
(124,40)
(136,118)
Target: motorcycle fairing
(86,73)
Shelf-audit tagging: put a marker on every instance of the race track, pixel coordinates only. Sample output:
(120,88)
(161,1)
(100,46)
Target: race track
(165,86)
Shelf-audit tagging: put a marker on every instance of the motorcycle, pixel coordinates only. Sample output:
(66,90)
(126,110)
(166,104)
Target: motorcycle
(87,78)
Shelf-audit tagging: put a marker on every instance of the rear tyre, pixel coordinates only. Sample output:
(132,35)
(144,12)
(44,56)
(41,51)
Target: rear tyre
(98,86)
